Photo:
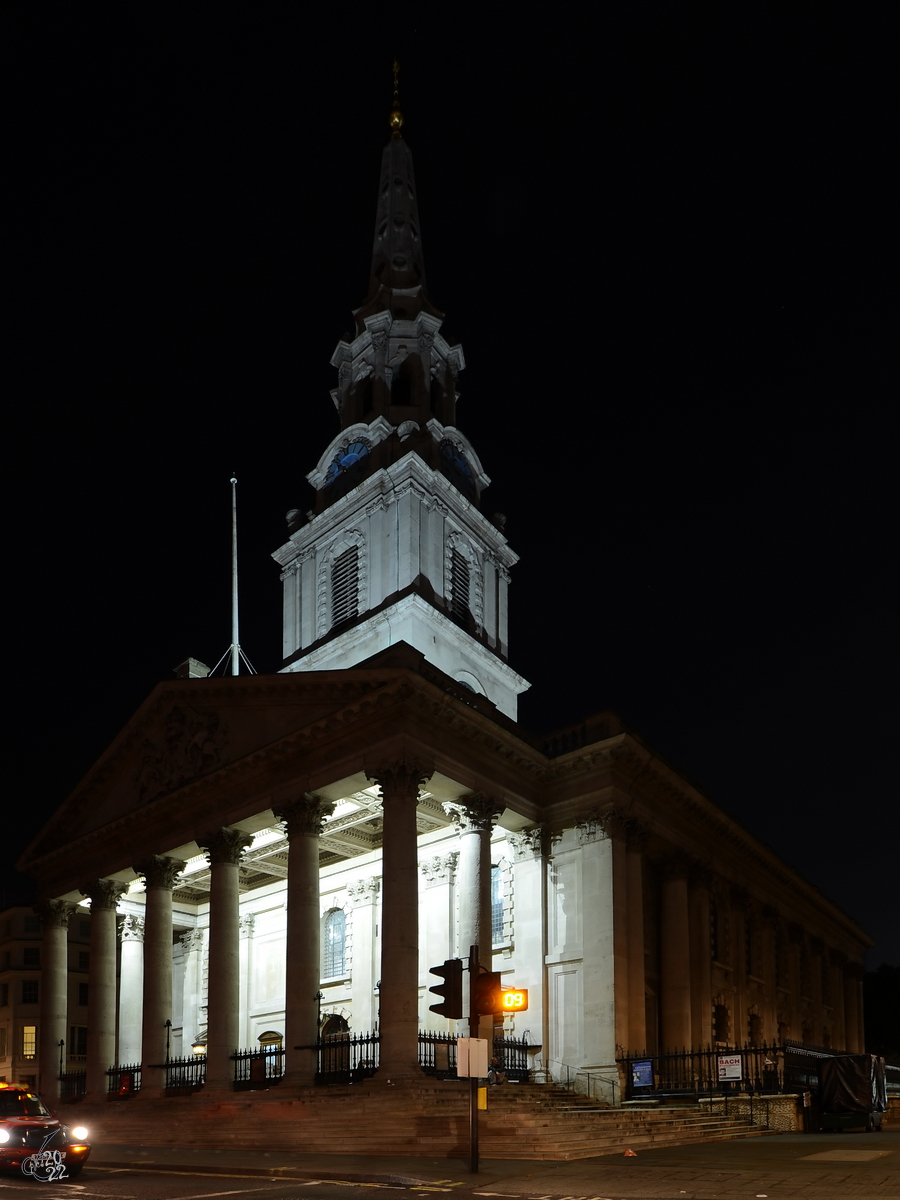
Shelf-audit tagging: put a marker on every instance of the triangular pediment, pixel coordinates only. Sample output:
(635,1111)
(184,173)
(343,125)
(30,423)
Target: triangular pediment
(189,729)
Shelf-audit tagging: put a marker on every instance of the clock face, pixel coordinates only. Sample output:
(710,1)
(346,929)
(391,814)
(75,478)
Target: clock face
(456,468)
(345,460)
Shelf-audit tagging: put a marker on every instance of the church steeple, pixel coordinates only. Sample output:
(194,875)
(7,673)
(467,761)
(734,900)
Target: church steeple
(397,548)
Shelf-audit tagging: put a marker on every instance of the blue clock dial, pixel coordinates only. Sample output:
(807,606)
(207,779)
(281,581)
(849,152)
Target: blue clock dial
(345,460)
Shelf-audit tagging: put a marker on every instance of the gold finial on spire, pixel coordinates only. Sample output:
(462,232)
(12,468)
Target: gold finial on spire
(396,114)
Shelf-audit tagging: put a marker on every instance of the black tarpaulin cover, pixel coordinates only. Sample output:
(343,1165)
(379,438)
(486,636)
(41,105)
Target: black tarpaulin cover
(852,1083)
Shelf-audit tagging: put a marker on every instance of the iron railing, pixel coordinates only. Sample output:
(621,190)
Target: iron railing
(72,1084)
(255,1069)
(345,1057)
(437,1054)
(183,1075)
(124,1081)
(722,1070)
(512,1055)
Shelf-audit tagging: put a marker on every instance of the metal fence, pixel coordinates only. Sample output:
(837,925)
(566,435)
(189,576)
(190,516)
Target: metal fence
(124,1081)
(346,1057)
(512,1055)
(254,1069)
(782,1067)
(72,1084)
(184,1075)
(437,1054)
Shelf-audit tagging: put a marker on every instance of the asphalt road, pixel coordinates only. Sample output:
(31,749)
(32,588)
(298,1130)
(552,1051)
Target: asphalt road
(818,1167)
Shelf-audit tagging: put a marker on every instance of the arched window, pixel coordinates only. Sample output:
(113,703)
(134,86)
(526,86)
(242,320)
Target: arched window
(333,958)
(496,905)
(459,586)
(345,586)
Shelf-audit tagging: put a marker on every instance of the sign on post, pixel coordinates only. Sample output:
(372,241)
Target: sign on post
(471,1058)
(730,1066)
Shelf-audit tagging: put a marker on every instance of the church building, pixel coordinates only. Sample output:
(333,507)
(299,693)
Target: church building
(269,859)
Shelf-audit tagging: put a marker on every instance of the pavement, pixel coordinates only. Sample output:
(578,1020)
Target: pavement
(833,1166)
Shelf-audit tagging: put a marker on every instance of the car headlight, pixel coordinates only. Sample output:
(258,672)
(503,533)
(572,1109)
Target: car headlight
(79,1132)
(4,1135)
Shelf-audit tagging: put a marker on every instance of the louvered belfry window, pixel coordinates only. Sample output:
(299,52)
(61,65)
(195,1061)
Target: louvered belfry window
(459,585)
(345,586)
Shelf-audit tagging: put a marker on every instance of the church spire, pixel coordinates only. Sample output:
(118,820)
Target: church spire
(397,260)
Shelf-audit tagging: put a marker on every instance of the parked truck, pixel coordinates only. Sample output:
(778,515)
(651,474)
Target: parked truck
(852,1093)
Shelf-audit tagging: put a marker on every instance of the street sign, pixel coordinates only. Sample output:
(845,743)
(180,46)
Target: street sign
(471,1058)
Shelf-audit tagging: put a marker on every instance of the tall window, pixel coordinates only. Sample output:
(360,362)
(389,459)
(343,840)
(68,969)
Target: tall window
(459,585)
(77,1041)
(29,1041)
(496,905)
(335,940)
(3,1049)
(720,1023)
(4,995)
(29,991)
(345,586)
(31,956)
(83,994)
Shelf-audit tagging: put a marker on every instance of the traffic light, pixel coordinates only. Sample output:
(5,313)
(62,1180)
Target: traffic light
(451,989)
(487,994)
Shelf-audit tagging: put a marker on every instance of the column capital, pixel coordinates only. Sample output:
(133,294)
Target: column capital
(305,815)
(474,813)
(400,775)
(225,845)
(440,869)
(132,929)
(192,940)
(637,833)
(159,871)
(104,893)
(364,891)
(246,924)
(54,914)
(527,843)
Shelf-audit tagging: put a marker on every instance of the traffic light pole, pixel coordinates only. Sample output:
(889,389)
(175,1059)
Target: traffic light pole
(474,968)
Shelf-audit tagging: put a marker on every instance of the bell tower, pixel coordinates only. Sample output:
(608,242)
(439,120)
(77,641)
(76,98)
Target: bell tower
(396,547)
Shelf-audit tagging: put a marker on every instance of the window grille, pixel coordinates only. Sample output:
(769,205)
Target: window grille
(31,956)
(459,585)
(3,1050)
(84,960)
(32,924)
(335,941)
(496,906)
(29,1041)
(345,586)
(83,994)
(29,991)
(77,1041)
(84,928)
(4,995)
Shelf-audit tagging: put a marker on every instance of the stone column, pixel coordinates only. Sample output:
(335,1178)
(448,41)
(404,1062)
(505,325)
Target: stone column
(437,933)
(160,873)
(839,1035)
(131,989)
(303,819)
(636,842)
(54,916)
(398,995)
(701,957)
(530,891)
(852,978)
(474,818)
(363,894)
(101,1014)
(224,848)
(246,923)
(675,962)
(193,1022)
(770,923)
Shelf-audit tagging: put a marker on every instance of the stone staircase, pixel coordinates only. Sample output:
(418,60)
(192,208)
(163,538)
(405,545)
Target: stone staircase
(427,1118)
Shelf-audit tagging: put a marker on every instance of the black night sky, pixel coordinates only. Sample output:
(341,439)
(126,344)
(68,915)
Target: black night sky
(663,235)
